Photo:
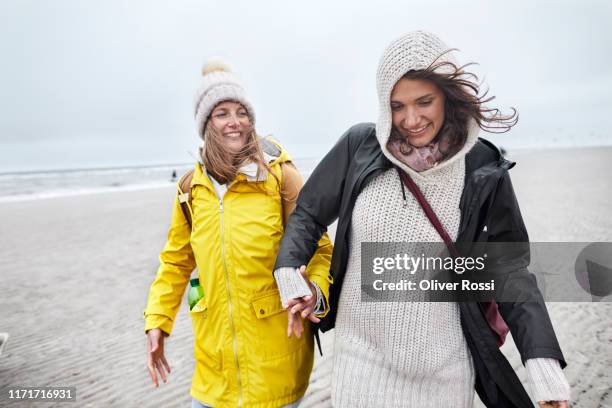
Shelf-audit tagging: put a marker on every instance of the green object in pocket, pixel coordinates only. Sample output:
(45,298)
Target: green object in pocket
(196,292)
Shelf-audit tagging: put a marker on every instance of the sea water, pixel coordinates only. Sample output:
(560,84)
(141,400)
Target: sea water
(18,186)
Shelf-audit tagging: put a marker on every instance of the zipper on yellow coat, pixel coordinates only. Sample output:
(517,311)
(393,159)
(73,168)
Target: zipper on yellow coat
(243,356)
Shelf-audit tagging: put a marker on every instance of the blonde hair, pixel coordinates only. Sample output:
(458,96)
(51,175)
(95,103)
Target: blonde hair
(223,164)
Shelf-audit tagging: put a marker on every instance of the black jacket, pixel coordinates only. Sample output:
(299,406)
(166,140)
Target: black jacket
(487,199)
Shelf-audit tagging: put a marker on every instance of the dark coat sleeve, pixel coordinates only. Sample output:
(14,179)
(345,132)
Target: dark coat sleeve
(526,314)
(318,205)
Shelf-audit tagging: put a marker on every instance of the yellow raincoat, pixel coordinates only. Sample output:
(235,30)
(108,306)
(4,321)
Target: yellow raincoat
(243,356)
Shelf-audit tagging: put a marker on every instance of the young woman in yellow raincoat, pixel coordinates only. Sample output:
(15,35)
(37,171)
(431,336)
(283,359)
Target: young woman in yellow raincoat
(241,194)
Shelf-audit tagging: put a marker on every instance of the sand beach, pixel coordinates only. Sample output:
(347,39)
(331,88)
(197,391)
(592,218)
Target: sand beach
(75,272)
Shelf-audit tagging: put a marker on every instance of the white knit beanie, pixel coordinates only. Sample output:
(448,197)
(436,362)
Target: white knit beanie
(219,84)
(417,50)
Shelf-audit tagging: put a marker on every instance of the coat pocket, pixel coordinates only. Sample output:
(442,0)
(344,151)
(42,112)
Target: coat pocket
(267,305)
(270,325)
(199,313)
(206,351)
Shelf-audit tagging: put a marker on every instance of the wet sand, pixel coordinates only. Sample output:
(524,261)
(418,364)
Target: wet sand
(76,270)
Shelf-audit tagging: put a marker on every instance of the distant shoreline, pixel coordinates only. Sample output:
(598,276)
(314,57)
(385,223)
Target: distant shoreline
(77,193)
(521,150)
(25,186)
(84,169)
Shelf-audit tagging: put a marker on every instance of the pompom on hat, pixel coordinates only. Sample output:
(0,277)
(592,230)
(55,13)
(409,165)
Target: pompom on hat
(219,84)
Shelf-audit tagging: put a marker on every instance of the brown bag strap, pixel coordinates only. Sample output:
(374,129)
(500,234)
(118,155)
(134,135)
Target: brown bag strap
(489,309)
(184,195)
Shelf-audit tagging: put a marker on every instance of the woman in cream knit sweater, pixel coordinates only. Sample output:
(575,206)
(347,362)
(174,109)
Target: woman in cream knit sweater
(420,354)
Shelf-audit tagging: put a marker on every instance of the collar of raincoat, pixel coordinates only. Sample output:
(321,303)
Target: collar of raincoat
(250,170)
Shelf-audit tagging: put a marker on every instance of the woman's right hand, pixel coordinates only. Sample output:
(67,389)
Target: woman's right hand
(301,308)
(155,356)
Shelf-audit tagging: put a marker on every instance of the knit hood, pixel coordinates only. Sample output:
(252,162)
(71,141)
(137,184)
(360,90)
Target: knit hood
(414,51)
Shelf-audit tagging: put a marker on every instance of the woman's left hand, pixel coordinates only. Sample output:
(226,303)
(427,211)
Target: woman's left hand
(553,404)
(301,308)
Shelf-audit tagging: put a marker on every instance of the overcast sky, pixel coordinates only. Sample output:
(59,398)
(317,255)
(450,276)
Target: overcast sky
(103,83)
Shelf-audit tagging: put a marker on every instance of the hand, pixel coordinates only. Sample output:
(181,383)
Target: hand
(294,323)
(155,355)
(553,404)
(301,308)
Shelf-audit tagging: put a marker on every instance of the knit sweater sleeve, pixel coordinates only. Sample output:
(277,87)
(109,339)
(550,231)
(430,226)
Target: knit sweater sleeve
(291,284)
(547,381)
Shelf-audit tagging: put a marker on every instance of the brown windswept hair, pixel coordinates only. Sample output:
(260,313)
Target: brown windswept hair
(223,164)
(462,102)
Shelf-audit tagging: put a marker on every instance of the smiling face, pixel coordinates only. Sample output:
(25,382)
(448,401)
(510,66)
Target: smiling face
(417,108)
(231,121)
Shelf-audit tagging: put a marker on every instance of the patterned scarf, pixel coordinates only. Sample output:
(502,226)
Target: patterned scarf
(417,158)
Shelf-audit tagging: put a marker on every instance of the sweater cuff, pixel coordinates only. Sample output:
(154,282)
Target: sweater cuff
(291,284)
(548,383)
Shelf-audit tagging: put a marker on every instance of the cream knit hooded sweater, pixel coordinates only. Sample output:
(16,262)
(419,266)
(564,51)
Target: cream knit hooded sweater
(406,353)
(410,354)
